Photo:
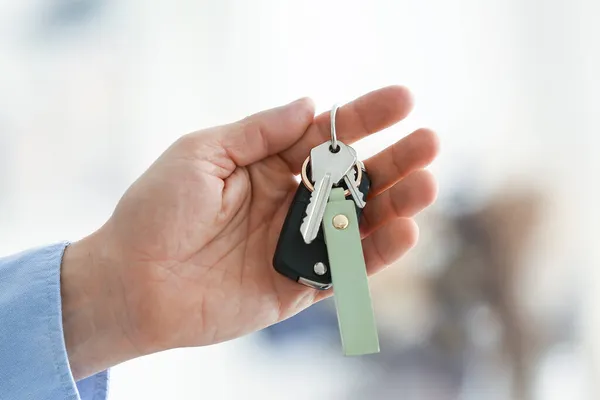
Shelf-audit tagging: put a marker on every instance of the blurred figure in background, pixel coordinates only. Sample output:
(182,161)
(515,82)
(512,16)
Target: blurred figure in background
(452,315)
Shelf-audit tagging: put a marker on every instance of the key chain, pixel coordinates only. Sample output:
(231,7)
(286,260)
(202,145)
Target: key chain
(320,244)
(308,263)
(356,318)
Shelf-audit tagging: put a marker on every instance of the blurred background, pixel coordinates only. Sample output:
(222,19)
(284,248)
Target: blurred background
(500,298)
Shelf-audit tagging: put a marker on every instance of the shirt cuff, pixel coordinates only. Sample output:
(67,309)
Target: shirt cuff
(33,356)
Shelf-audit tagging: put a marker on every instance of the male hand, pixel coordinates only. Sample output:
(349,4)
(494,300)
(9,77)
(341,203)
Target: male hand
(186,258)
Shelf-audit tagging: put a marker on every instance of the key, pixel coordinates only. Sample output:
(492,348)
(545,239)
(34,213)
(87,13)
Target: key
(328,168)
(351,185)
(294,258)
(356,194)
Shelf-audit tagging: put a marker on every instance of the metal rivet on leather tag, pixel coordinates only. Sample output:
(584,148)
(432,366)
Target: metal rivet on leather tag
(340,221)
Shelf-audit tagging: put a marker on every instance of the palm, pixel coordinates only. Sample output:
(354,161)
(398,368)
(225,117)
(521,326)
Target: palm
(246,239)
(201,225)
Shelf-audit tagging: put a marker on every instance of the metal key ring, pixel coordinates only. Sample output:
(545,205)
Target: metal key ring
(311,187)
(334,141)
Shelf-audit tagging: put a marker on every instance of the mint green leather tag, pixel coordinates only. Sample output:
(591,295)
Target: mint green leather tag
(349,277)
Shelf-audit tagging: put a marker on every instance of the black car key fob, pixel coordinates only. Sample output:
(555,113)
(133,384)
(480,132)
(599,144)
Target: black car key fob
(302,262)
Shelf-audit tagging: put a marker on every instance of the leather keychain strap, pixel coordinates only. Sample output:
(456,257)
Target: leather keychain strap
(356,318)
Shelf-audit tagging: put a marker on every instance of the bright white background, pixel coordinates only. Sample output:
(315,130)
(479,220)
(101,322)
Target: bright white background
(510,86)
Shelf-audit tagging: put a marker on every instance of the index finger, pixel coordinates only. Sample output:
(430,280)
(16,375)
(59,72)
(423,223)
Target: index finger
(367,114)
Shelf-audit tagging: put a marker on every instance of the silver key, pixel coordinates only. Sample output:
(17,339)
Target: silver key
(328,169)
(350,181)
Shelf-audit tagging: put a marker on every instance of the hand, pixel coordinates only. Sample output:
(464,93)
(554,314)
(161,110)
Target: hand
(186,258)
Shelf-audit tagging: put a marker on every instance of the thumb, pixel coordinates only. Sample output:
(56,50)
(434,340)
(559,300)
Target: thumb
(268,132)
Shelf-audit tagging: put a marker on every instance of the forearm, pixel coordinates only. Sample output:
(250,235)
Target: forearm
(92,312)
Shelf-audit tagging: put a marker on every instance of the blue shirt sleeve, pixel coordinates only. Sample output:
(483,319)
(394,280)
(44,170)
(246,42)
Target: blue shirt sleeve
(33,357)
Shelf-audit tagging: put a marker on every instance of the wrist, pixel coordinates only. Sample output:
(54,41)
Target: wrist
(92,309)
